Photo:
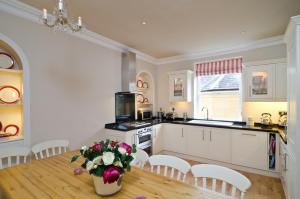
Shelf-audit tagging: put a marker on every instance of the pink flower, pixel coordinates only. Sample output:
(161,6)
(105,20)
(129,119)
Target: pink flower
(78,171)
(111,174)
(97,147)
(127,147)
(112,143)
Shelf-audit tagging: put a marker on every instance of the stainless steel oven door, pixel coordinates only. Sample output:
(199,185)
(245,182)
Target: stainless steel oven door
(147,147)
(144,139)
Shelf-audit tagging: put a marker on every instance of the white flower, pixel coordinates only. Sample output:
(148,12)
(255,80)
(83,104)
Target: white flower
(122,150)
(89,165)
(97,160)
(108,158)
(118,164)
(84,148)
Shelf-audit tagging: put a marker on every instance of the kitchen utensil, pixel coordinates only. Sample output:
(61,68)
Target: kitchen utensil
(282,121)
(266,118)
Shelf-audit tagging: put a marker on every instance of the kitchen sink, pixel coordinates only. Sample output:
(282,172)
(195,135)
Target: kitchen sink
(211,122)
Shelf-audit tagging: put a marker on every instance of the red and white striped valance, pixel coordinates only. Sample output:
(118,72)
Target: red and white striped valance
(232,65)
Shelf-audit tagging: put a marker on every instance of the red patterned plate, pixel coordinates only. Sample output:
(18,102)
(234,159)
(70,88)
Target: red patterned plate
(9,95)
(140,98)
(10,130)
(6,61)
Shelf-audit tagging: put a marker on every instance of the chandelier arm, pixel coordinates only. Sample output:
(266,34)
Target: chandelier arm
(74,29)
(46,22)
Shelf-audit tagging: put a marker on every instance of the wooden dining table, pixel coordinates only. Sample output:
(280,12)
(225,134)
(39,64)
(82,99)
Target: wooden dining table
(54,178)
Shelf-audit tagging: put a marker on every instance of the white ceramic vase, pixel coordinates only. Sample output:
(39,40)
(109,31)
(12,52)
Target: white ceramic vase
(106,189)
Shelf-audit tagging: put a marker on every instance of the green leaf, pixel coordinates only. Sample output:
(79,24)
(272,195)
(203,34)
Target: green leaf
(74,158)
(128,168)
(99,171)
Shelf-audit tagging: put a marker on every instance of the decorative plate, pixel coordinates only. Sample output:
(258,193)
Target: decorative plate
(139,84)
(10,130)
(6,61)
(145,85)
(9,94)
(0,126)
(140,98)
(146,100)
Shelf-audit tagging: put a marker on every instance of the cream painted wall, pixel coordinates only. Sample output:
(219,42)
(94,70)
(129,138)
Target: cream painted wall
(72,82)
(274,52)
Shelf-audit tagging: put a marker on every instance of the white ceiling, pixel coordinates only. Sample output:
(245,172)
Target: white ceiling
(180,27)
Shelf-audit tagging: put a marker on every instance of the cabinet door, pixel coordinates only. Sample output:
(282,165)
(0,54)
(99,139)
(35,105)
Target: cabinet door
(197,141)
(157,139)
(174,138)
(220,144)
(281,82)
(250,149)
(260,82)
(177,87)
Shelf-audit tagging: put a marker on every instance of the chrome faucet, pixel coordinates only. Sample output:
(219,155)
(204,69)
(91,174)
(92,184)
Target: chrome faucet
(203,108)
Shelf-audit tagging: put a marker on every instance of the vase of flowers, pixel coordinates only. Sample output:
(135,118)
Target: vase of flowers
(107,162)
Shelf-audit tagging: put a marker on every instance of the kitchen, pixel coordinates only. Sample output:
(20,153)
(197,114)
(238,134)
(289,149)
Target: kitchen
(226,104)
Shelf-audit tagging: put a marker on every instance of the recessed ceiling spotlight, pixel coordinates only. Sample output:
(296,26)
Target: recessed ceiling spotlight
(243,32)
(144,23)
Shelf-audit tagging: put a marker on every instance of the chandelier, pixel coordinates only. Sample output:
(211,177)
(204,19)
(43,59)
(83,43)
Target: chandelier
(59,21)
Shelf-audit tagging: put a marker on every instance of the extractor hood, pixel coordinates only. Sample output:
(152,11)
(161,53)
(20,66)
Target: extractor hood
(128,72)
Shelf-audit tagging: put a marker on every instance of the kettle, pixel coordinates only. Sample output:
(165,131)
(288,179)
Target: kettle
(266,119)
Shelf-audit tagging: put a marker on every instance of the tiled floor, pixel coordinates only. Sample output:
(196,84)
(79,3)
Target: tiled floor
(262,187)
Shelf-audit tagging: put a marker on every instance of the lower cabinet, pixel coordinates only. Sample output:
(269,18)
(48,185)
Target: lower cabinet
(174,138)
(220,144)
(250,149)
(197,144)
(157,139)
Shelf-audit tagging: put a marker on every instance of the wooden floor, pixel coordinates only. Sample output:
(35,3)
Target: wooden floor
(263,187)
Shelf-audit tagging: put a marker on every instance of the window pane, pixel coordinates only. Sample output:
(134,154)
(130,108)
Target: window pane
(220,94)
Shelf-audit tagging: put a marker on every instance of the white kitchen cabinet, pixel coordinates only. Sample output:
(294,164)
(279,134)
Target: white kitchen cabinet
(259,82)
(129,136)
(174,139)
(180,86)
(157,139)
(265,82)
(197,141)
(250,149)
(281,82)
(220,144)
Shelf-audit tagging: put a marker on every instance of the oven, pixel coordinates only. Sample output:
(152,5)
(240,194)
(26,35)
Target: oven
(144,139)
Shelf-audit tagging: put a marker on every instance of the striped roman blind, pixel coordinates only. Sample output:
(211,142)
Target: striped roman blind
(225,66)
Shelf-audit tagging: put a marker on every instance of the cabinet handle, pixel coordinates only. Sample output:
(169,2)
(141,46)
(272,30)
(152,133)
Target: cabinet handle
(210,135)
(248,134)
(203,134)
(285,167)
(182,132)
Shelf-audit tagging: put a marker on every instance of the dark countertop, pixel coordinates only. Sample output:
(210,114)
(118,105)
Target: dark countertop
(236,125)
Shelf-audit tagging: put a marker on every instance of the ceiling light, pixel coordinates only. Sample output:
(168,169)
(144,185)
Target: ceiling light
(144,23)
(60,20)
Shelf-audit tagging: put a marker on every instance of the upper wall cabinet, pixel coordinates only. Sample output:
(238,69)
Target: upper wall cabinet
(180,86)
(265,82)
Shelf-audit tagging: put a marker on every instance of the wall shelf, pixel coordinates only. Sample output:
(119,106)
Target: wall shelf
(11,71)
(12,138)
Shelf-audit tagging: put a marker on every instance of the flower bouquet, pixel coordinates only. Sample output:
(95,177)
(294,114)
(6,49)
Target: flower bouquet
(107,162)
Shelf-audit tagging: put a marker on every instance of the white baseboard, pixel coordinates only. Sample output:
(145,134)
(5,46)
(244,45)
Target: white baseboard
(232,166)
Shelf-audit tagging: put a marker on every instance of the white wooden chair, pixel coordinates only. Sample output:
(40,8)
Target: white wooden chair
(140,159)
(226,175)
(54,146)
(175,163)
(13,156)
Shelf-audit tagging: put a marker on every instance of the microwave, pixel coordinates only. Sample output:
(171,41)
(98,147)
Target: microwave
(144,114)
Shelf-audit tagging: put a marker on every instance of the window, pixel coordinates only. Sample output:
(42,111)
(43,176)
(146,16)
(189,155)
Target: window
(220,95)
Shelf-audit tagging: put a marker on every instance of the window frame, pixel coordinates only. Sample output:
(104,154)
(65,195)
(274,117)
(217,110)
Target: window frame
(196,101)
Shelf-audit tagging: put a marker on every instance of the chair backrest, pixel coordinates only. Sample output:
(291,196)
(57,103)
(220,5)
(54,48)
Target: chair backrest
(54,146)
(140,159)
(14,156)
(175,163)
(226,175)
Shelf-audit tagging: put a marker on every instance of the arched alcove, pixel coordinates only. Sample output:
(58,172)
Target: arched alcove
(147,89)
(14,112)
